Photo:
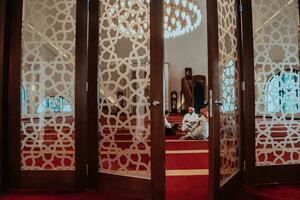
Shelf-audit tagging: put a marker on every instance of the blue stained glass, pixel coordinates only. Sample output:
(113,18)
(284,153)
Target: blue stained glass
(282,93)
(55,104)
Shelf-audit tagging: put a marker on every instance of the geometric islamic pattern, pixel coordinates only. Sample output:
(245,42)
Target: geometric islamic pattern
(277,83)
(123,88)
(48,47)
(229,90)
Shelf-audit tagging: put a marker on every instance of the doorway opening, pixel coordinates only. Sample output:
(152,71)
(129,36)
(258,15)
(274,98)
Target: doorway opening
(185,95)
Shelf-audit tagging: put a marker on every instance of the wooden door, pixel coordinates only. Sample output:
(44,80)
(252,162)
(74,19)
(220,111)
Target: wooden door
(126,134)
(3,64)
(271,63)
(225,96)
(46,95)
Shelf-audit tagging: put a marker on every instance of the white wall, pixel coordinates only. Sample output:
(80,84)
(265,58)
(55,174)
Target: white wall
(189,50)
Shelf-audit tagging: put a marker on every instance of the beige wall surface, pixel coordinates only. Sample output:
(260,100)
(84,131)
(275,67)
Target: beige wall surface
(189,50)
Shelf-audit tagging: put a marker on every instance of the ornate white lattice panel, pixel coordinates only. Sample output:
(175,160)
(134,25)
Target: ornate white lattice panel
(124,83)
(229,90)
(277,84)
(47,119)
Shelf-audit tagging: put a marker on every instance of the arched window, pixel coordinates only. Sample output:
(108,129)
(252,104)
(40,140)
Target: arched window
(23,99)
(228,87)
(282,93)
(55,104)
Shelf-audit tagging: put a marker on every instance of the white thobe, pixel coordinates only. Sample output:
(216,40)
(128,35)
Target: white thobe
(189,122)
(202,130)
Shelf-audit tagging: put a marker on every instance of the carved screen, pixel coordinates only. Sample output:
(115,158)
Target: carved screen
(47,91)
(124,88)
(229,90)
(277,84)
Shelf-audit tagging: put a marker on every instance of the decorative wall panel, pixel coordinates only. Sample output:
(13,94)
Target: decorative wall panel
(229,90)
(124,88)
(277,84)
(47,95)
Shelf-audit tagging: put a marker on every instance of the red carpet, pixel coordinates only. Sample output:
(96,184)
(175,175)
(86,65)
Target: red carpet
(187,161)
(179,157)
(282,192)
(184,145)
(176,190)
(187,188)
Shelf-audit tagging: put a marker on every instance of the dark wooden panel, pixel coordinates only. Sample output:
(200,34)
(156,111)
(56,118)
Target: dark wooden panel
(125,186)
(249,93)
(231,187)
(3,4)
(14,84)
(277,174)
(239,178)
(156,90)
(48,180)
(93,51)
(5,53)
(81,65)
(213,85)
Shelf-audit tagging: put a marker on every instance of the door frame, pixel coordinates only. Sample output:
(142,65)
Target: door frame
(232,186)
(158,172)
(213,64)
(3,64)
(264,174)
(44,180)
(129,186)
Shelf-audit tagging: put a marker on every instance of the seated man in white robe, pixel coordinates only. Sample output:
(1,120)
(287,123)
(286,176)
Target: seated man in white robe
(201,131)
(190,120)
